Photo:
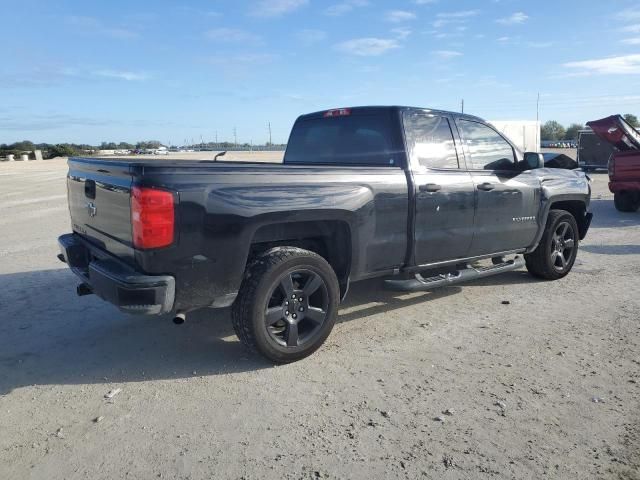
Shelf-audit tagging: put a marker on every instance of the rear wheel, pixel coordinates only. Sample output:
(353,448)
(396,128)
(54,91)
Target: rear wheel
(556,253)
(626,201)
(287,304)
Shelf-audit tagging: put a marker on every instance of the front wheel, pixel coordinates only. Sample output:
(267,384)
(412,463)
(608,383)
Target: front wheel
(287,305)
(556,253)
(626,201)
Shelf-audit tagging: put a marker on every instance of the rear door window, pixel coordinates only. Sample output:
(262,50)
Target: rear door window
(487,148)
(430,141)
(345,140)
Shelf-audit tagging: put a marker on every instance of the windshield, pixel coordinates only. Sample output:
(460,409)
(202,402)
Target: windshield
(344,140)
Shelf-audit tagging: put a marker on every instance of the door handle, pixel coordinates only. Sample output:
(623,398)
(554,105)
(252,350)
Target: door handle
(486,186)
(429,187)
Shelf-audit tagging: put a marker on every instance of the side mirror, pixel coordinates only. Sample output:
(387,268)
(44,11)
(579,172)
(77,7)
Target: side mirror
(533,160)
(221,154)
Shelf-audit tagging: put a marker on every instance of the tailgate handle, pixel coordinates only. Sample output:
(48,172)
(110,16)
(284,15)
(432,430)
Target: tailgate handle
(90,188)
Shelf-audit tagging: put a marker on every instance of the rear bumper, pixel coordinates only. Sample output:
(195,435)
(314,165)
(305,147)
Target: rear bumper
(115,281)
(615,187)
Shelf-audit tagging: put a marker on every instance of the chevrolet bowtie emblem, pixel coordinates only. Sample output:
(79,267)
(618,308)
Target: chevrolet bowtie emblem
(92,209)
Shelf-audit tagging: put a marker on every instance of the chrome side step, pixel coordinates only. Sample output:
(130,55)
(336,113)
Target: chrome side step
(420,283)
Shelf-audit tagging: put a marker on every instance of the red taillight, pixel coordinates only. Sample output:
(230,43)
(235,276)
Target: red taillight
(337,112)
(152,217)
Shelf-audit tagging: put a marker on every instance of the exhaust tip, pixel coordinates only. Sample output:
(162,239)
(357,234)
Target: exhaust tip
(84,289)
(179,319)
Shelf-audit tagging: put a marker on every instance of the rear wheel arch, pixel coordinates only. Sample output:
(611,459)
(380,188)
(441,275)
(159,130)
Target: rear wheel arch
(331,239)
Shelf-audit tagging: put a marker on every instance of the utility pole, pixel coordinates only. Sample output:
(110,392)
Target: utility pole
(462,106)
(270,143)
(216,138)
(235,137)
(538,123)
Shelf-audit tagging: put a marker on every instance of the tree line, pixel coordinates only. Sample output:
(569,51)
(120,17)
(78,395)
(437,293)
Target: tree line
(75,149)
(554,131)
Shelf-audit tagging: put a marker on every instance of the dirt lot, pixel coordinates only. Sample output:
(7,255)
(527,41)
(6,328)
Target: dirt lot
(546,386)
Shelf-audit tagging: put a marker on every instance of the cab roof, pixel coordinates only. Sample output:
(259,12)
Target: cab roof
(379,109)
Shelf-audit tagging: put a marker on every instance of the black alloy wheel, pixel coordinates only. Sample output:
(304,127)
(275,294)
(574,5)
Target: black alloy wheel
(297,308)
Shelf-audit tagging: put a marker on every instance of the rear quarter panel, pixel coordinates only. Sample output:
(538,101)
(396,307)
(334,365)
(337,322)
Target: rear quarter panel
(221,208)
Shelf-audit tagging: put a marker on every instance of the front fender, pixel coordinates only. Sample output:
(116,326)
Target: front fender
(566,189)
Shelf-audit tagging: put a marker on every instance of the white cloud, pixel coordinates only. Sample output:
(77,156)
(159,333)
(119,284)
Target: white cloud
(621,65)
(503,39)
(458,17)
(401,32)
(631,29)
(631,41)
(232,35)
(276,8)
(458,14)
(367,47)
(309,36)
(398,16)
(446,54)
(424,2)
(345,7)
(121,75)
(514,19)
(628,15)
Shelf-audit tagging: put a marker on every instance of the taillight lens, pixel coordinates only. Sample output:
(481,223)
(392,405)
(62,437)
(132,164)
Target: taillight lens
(152,217)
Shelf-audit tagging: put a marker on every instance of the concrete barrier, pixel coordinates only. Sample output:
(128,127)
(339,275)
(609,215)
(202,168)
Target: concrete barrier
(24,157)
(38,154)
(11,158)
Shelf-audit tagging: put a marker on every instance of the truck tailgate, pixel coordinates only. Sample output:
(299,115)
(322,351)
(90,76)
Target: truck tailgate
(99,204)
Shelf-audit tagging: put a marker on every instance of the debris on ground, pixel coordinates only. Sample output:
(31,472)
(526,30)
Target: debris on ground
(113,393)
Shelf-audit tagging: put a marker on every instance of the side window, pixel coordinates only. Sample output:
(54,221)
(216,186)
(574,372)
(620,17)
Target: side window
(430,141)
(488,150)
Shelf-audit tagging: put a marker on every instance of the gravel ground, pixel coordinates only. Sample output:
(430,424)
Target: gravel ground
(445,384)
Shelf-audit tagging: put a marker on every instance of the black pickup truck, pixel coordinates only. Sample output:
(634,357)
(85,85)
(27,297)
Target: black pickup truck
(418,195)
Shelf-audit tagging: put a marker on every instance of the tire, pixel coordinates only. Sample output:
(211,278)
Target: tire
(266,316)
(556,253)
(626,201)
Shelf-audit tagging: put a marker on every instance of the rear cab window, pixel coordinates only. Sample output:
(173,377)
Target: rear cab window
(430,142)
(349,138)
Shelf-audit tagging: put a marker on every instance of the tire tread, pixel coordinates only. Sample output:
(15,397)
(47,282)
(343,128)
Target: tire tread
(537,262)
(241,312)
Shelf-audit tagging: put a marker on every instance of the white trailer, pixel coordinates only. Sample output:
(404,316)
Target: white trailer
(525,134)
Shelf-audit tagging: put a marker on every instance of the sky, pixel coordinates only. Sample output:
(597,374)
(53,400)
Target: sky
(91,71)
